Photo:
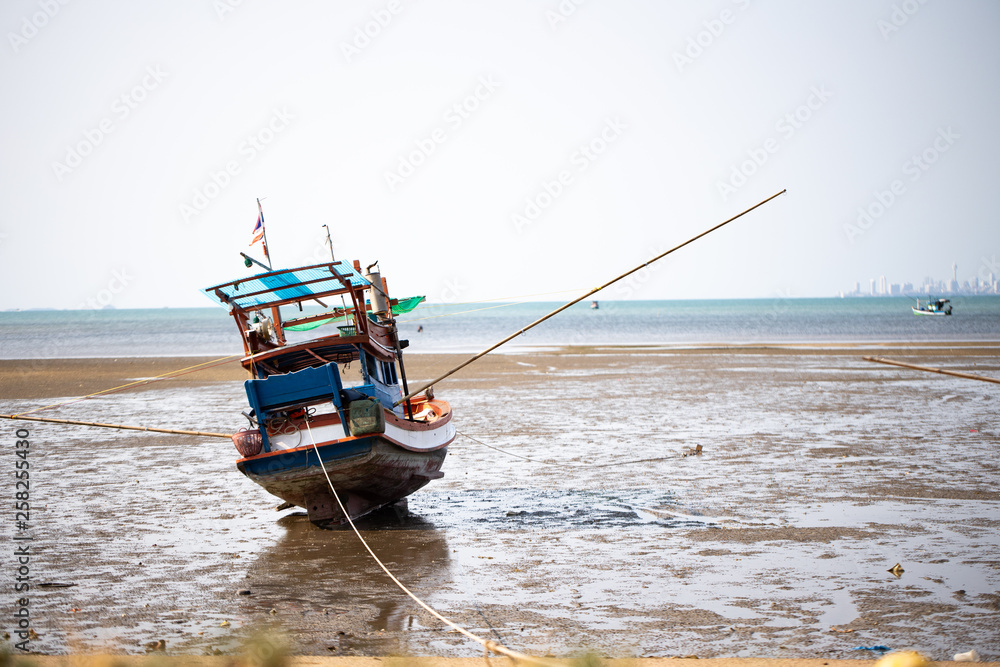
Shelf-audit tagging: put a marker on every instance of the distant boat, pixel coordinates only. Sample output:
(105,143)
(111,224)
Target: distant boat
(933,307)
(594,305)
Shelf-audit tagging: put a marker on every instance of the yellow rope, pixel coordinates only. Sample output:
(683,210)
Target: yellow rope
(124,427)
(486,643)
(462,312)
(476,310)
(566,463)
(501,298)
(164,376)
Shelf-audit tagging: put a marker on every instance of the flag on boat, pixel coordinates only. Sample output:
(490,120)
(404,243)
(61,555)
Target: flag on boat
(258,231)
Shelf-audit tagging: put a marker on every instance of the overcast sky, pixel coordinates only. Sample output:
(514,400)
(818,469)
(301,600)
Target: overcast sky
(496,149)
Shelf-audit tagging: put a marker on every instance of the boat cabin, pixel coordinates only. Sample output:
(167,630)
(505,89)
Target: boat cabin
(365,333)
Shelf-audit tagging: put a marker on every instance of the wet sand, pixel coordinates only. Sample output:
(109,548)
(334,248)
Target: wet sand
(302,661)
(576,521)
(46,378)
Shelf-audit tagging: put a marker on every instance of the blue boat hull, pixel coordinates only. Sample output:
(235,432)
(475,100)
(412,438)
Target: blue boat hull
(368,473)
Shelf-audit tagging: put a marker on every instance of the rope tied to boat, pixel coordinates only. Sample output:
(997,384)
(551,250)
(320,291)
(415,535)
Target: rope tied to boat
(560,463)
(122,427)
(488,644)
(164,376)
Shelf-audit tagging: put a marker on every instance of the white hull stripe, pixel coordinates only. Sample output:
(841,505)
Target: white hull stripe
(416,441)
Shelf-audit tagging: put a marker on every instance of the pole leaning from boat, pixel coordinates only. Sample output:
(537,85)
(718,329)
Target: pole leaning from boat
(931,369)
(581,298)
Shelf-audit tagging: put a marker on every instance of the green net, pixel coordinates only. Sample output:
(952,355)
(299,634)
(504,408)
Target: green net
(404,306)
(308,326)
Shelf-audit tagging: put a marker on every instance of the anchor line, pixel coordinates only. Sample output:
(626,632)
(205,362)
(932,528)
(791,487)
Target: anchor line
(165,376)
(561,464)
(489,645)
(488,624)
(122,427)
(463,312)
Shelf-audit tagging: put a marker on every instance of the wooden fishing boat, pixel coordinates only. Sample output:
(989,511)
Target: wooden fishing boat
(933,307)
(337,396)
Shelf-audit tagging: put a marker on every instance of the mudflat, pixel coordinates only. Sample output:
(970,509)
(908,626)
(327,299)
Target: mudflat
(433,661)
(46,378)
(576,512)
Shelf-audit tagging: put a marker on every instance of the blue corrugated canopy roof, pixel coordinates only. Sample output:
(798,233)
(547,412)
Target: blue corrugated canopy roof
(265,289)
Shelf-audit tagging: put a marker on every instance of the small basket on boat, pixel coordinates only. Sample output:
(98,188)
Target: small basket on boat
(348,330)
(248,442)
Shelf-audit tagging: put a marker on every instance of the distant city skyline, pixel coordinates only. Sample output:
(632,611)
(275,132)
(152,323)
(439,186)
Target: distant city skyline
(984,281)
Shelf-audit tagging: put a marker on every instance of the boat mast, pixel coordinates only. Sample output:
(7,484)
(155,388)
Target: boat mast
(263,229)
(329,243)
(334,259)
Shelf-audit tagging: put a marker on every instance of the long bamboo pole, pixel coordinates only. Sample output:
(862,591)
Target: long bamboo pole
(930,369)
(581,298)
(172,431)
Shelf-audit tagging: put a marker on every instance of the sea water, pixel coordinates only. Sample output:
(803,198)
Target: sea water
(469,327)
